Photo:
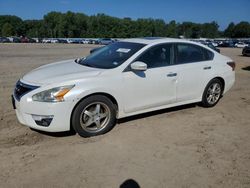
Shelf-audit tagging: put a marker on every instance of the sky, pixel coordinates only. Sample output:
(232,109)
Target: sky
(199,11)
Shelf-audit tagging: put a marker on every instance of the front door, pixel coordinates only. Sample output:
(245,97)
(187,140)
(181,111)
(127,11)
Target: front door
(154,87)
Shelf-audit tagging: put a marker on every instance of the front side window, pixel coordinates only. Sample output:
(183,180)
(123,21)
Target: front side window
(188,53)
(158,56)
(111,56)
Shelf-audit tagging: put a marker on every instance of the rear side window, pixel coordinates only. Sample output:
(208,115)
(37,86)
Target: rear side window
(208,55)
(189,53)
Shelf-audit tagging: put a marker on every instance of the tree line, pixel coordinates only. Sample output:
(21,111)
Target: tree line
(79,25)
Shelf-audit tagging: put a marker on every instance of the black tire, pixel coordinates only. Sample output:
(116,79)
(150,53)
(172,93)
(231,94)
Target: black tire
(79,115)
(205,97)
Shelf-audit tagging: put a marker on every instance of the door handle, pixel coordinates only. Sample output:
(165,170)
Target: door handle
(171,74)
(207,68)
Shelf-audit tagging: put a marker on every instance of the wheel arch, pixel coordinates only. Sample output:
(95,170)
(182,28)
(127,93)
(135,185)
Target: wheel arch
(109,96)
(222,81)
(204,102)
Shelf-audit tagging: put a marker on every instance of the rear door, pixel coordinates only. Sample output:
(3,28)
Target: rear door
(194,66)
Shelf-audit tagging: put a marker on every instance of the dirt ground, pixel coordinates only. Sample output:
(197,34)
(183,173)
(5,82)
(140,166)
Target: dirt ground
(188,146)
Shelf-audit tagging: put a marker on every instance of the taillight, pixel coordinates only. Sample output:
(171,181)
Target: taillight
(232,64)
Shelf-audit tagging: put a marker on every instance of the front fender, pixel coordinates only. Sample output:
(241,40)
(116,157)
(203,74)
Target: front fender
(100,91)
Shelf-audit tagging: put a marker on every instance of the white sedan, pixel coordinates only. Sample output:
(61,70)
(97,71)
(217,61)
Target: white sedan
(241,45)
(122,79)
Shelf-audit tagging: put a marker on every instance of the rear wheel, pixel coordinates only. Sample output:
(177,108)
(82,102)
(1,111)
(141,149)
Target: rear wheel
(212,93)
(93,116)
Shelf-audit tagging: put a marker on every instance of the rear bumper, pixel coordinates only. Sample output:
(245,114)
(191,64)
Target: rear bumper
(229,81)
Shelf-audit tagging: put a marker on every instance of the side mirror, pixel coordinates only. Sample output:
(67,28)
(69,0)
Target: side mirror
(139,66)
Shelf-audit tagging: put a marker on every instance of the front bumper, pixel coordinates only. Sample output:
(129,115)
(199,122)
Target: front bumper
(26,109)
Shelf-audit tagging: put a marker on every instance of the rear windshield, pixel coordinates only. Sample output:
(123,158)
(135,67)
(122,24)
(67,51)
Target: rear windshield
(112,55)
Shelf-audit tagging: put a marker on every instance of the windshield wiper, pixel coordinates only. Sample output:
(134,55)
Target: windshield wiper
(88,65)
(78,60)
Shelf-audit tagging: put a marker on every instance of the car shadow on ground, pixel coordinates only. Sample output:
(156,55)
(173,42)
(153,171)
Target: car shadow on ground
(163,111)
(246,68)
(122,120)
(243,55)
(56,134)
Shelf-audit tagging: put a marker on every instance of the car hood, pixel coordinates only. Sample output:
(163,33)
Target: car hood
(58,72)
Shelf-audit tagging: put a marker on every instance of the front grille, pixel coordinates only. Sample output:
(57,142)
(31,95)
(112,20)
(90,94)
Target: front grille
(21,89)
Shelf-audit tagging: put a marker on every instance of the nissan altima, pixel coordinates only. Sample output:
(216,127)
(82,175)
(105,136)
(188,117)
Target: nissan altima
(125,78)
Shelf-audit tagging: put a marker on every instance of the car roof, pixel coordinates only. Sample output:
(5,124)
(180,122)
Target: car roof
(151,40)
(158,40)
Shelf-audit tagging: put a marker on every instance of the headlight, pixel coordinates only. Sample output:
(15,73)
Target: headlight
(52,95)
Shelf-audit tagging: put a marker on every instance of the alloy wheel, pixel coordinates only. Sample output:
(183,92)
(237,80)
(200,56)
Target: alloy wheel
(213,93)
(95,117)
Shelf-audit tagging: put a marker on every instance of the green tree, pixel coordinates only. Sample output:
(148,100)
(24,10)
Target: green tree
(51,23)
(210,30)
(196,31)
(15,21)
(159,28)
(186,29)
(8,30)
(33,28)
(241,30)
(229,31)
(171,29)
(70,24)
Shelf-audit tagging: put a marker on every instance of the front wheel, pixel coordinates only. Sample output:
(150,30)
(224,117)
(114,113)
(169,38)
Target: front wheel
(212,93)
(93,116)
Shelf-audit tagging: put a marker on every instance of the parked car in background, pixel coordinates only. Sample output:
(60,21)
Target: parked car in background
(74,41)
(94,41)
(57,40)
(241,45)
(14,39)
(62,41)
(90,41)
(105,41)
(124,78)
(78,41)
(210,45)
(219,42)
(38,40)
(4,40)
(46,40)
(246,51)
(24,40)
(85,41)
(31,40)
(227,44)
(54,41)
(215,44)
(27,40)
(70,41)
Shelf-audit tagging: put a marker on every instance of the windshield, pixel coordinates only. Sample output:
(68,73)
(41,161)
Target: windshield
(112,55)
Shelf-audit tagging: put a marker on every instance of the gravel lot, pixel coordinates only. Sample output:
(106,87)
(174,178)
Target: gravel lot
(188,146)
